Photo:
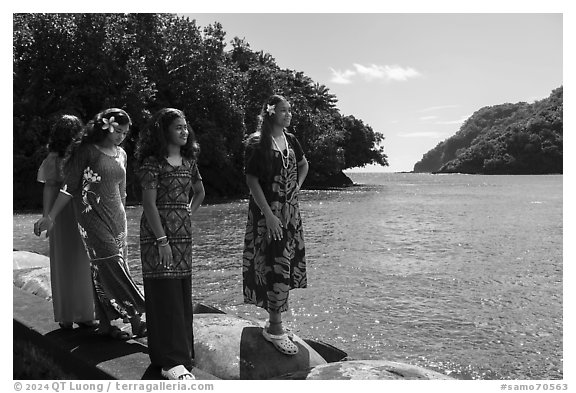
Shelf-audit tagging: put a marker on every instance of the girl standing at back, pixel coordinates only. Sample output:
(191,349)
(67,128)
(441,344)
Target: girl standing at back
(70,277)
(96,182)
(274,258)
(172,190)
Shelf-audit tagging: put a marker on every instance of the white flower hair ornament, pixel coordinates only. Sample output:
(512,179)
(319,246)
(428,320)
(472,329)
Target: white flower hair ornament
(270,109)
(109,124)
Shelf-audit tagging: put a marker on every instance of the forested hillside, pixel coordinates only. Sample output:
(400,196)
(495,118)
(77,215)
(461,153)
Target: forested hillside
(83,63)
(516,138)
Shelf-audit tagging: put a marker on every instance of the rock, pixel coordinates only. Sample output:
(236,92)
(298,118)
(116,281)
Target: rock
(35,280)
(231,347)
(367,369)
(31,273)
(26,259)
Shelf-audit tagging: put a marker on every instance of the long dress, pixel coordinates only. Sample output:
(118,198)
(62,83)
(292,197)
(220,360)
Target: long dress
(70,278)
(169,291)
(97,183)
(271,268)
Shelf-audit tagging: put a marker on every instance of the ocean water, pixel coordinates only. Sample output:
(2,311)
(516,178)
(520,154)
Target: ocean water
(460,274)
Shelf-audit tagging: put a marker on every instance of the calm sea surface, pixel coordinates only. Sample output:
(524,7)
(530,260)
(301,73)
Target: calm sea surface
(460,274)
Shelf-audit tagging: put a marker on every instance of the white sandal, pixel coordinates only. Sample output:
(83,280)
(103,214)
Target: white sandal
(177,373)
(281,342)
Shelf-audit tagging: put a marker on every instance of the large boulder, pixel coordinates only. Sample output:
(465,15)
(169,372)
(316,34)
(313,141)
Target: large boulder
(35,280)
(231,347)
(367,369)
(32,273)
(26,260)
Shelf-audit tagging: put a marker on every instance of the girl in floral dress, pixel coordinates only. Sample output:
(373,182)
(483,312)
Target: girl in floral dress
(172,190)
(274,258)
(96,182)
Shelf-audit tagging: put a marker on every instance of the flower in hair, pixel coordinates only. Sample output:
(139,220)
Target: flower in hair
(271,109)
(109,124)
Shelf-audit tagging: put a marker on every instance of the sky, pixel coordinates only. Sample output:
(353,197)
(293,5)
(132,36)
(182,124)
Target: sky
(413,77)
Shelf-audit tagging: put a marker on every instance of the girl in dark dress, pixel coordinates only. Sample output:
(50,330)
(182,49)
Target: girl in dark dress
(274,258)
(172,191)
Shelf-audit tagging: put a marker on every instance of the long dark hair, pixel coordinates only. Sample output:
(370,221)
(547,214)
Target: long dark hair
(64,130)
(153,139)
(263,135)
(94,131)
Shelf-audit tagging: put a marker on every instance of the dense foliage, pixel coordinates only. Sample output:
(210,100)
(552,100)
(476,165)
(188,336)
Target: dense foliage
(516,138)
(83,63)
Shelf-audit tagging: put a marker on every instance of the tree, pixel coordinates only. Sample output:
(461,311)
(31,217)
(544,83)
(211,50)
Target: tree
(84,63)
(509,138)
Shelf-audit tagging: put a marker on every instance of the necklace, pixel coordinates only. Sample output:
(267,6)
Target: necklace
(285,158)
(107,153)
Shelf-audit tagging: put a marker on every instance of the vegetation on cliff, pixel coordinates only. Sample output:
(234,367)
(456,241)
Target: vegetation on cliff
(83,63)
(516,138)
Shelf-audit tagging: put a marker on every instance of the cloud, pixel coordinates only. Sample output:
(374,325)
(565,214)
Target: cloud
(372,72)
(386,72)
(425,118)
(341,77)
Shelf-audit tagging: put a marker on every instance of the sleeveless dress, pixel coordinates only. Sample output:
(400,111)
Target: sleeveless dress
(70,279)
(272,268)
(97,183)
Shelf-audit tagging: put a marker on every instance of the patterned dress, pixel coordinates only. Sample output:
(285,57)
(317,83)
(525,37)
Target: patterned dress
(272,267)
(169,315)
(173,192)
(97,183)
(70,279)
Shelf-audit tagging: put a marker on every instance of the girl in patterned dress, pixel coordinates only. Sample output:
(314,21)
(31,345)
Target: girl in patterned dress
(96,183)
(70,278)
(274,258)
(172,190)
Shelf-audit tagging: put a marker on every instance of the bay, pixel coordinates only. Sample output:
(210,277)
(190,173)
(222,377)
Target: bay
(461,274)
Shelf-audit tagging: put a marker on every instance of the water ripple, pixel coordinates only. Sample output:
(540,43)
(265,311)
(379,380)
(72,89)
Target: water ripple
(460,274)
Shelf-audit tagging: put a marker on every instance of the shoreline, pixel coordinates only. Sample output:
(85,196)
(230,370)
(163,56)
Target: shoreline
(219,200)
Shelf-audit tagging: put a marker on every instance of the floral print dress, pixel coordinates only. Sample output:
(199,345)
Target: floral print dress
(97,183)
(272,268)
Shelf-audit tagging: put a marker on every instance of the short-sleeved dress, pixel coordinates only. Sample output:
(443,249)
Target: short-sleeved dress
(271,268)
(97,182)
(169,315)
(173,192)
(72,293)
